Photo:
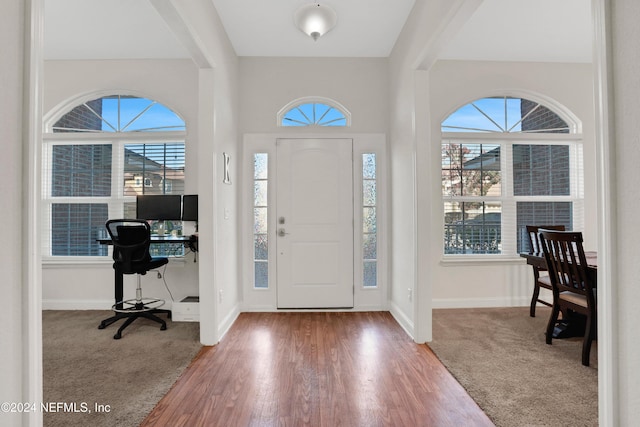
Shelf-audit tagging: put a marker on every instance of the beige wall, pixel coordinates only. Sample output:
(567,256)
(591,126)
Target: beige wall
(13,316)
(268,84)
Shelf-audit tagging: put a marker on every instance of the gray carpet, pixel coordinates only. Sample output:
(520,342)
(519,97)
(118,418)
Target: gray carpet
(500,357)
(84,367)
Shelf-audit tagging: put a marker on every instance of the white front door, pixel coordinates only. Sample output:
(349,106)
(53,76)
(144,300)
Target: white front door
(314,223)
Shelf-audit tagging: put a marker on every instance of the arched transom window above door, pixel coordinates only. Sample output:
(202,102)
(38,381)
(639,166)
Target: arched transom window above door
(314,111)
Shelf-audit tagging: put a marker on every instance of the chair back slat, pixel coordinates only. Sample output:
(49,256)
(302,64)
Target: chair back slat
(534,238)
(566,261)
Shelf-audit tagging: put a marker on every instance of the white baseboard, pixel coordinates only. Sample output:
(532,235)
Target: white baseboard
(258,308)
(401,317)
(226,323)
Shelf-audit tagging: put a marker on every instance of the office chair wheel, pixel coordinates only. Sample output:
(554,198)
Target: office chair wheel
(117,336)
(163,327)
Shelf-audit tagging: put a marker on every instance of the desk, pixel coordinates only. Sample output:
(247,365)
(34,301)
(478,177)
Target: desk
(566,329)
(190,242)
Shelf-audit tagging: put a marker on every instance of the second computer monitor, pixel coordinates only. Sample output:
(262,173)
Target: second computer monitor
(159,207)
(190,207)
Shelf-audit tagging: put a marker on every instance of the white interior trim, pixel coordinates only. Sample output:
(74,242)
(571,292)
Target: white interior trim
(32,268)
(265,299)
(608,409)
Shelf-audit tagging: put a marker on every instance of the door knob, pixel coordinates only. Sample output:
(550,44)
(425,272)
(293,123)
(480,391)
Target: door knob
(281,232)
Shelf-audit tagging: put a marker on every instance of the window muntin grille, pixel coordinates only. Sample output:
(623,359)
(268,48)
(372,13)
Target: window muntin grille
(119,113)
(505,114)
(471,169)
(314,113)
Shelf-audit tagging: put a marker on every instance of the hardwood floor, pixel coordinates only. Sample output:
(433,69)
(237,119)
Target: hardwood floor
(316,369)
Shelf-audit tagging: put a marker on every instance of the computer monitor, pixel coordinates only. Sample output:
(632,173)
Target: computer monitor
(159,207)
(190,207)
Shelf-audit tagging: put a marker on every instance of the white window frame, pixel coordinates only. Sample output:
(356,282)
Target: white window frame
(117,199)
(507,199)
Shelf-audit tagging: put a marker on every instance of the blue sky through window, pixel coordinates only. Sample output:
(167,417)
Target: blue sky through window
(314,114)
(157,117)
(504,112)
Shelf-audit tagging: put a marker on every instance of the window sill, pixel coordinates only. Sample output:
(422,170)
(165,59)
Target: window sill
(458,260)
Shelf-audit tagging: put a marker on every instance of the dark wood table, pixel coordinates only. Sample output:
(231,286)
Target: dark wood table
(537,259)
(571,325)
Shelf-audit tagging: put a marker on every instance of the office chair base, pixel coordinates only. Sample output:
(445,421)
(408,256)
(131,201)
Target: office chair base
(144,304)
(132,314)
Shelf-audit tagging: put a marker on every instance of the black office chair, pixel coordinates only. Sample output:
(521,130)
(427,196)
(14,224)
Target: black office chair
(131,239)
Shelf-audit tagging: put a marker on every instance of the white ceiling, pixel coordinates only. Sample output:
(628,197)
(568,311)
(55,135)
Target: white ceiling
(366,28)
(522,30)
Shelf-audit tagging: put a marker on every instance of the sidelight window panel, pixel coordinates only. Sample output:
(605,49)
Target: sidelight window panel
(260,220)
(369,221)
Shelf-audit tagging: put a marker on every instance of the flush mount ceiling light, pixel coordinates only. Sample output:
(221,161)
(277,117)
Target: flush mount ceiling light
(315,19)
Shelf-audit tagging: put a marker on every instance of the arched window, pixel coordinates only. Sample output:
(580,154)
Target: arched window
(314,112)
(508,162)
(505,114)
(119,113)
(98,155)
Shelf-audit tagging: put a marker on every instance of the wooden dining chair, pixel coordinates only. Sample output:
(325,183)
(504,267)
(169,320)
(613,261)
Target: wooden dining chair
(573,286)
(539,280)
